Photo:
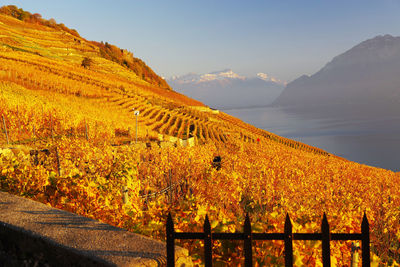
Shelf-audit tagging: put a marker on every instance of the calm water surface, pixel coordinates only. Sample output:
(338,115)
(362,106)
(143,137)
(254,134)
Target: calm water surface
(375,142)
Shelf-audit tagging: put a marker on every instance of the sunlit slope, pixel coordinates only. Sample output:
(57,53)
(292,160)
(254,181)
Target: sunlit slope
(50,102)
(48,63)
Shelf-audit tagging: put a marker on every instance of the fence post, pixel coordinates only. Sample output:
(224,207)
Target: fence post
(207,243)
(288,238)
(248,255)
(5,130)
(170,242)
(366,261)
(326,248)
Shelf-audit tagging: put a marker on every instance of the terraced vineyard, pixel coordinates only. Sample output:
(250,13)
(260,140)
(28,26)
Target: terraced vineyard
(51,65)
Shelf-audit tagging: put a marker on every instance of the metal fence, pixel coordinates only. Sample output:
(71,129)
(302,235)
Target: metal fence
(287,236)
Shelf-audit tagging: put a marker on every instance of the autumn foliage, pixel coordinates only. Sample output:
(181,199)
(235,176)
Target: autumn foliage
(106,50)
(35,18)
(83,117)
(126,58)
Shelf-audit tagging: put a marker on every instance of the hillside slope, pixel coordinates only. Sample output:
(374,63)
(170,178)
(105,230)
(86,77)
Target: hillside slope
(47,63)
(65,130)
(107,51)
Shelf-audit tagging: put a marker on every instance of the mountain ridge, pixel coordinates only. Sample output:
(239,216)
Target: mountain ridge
(227,89)
(220,75)
(366,74)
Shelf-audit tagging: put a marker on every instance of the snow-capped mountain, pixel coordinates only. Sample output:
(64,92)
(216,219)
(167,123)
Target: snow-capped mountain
(227,89)
(220,75)
(198,78)
(266,77)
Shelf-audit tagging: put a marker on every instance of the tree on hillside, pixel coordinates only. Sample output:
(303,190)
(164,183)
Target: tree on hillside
(86,62)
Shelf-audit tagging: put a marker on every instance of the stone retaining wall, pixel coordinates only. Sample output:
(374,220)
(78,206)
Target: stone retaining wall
(65,239)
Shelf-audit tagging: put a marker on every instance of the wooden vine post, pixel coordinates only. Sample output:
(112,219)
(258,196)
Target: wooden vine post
(170,184)
(51,125)
(86,132)
(5,130)
(19,123)
(58,162)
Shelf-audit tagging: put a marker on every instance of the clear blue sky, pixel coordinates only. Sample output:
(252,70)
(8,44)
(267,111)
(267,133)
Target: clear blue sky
(282,38)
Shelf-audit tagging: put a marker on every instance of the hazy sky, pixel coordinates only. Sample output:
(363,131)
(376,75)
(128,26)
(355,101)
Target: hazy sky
(282,38)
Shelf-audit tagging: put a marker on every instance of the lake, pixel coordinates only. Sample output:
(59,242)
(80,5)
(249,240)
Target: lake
(374,142)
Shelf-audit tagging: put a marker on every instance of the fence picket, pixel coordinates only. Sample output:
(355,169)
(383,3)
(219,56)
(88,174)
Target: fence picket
(366,261)
(326,248)
(288,242)
(207,243)
(170,242)
(248,255)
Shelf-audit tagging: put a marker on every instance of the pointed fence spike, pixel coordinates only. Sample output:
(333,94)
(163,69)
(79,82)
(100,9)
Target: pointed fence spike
(207,223)
(326,238)
(366,260)
(288,222)
(365,222)
(169,220)
(324,223)
(247,224)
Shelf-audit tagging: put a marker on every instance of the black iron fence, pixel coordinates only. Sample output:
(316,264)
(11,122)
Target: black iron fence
(287,236)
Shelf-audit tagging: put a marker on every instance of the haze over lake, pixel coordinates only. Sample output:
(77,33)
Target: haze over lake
(374,142)
(350,107)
